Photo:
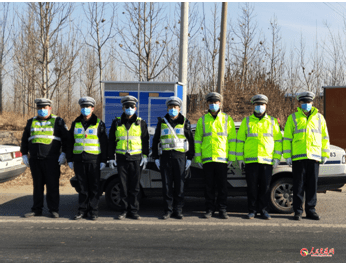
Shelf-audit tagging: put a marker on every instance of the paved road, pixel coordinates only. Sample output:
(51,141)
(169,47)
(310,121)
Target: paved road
(193,239)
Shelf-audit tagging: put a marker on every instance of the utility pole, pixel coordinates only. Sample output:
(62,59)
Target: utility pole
(221,75)
(184,28)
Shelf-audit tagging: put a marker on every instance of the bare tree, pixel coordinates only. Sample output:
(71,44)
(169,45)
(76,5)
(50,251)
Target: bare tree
(100,30)
(25,63)
(247,42)
(88,69)
(305,77)
(50,18)
(274,51)
(5,32)
(211,40)
(144,39)
(64,67)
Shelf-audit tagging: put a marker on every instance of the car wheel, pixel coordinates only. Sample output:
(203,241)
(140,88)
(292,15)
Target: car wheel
(281,195)
(112,194)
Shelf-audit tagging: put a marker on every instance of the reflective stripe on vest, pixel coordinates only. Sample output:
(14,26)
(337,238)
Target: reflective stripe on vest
(43,131)
(129,141)
(256,134)
(219,133)
(319,130)
(168,140)
(259,143)
(214,131)
(86,141)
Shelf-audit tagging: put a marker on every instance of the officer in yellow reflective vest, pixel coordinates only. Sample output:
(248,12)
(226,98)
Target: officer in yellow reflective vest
(87,155)
(215,145)
(259,145)
(305,146)
(43,138)
(129,141)
(173,134)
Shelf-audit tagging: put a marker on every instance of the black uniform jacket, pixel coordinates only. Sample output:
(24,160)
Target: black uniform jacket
(187,132)
(45,151)
(113,139)
(101,134)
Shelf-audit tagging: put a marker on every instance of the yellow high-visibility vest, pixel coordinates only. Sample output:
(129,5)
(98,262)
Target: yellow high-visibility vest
(306,138)
(215,139)
(259,140)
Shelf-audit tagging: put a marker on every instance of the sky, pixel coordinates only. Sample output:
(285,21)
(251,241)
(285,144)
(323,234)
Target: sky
(294,18)
(298,18)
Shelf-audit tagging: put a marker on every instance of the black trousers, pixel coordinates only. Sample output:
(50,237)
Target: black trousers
(130,176)
(173,172)
(305,177)
(45,172)
(258,177)
(88,177)
(215,177)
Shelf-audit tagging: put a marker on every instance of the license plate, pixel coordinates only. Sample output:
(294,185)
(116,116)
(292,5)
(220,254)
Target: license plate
(5,157)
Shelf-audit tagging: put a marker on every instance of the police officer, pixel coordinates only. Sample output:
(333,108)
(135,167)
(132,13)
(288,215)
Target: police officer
(259,144)
(87,155)
(43,138)
(305,146)
(174,134)
(215,145)
(129,140)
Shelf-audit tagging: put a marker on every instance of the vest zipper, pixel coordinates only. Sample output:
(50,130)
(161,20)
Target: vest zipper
(127,148)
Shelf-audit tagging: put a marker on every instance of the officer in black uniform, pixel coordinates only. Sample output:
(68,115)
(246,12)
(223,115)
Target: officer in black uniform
(173,163)
(87,155)
(43,138)
(129,156)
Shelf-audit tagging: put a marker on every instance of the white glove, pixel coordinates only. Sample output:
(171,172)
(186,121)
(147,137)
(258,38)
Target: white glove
(240,164)
(26,160)
(102,166)
(289,161)
(276,163)
(324,160)
(157,162)
(200,165)
(62,159)
(112,164)
(70,164)
(229,164)
(144,162)
(188,164)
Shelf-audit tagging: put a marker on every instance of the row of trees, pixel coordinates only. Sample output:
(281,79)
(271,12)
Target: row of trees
(63,50)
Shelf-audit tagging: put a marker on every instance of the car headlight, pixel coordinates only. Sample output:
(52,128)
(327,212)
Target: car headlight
(343,160)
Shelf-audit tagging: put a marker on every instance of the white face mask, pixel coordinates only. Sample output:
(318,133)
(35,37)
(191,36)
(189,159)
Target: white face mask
(260,109)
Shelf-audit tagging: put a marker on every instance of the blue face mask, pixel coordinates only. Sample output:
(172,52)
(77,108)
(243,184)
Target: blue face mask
(85,111)
(173,112)
(306,107)
(260,109)
(42,112)
(130,111)
(214,107)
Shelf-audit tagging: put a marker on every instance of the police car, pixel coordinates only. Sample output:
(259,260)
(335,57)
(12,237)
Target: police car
(332,176)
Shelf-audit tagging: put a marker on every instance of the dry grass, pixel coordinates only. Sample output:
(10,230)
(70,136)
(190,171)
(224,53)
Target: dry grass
(11,121)
(236,101)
